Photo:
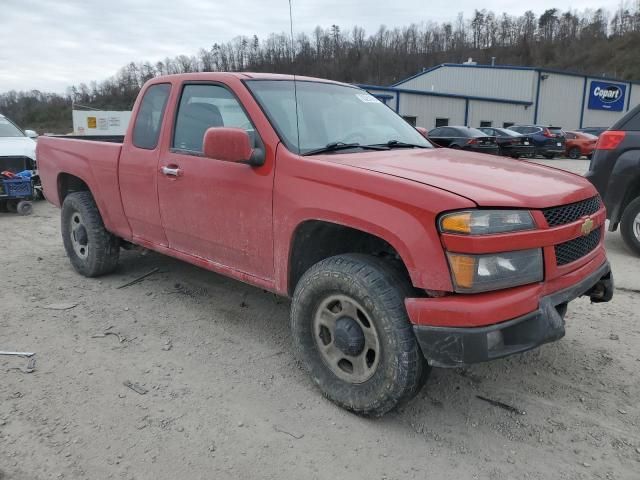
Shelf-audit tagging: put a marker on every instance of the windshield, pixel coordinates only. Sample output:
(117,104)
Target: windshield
(8,129)
(329,114)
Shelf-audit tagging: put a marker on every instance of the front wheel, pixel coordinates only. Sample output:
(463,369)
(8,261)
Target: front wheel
(630,226)
(92,250)
(351,332)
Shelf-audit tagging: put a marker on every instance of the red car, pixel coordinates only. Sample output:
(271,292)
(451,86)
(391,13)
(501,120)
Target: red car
(579,144)
(397,256)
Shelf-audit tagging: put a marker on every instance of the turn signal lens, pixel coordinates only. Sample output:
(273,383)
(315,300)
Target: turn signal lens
(457,223)
(463,268)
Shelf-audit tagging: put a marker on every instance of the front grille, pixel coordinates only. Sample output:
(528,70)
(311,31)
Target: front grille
(570,213)
(577,248)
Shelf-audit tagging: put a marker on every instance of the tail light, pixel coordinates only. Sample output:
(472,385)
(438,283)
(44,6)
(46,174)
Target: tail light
(609,140)
(473,141)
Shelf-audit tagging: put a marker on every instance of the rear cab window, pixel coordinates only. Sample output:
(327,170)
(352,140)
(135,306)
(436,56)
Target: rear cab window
(146,130)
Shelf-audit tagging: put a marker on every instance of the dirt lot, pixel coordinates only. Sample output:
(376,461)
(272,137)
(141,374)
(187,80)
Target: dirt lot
(225,399)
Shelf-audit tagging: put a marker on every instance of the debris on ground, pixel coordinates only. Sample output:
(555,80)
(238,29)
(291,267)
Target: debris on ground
(497,403)
(138,279)
(31,362)
(108,331)
(280,430)
(18,354)
(60,306)
(136,387)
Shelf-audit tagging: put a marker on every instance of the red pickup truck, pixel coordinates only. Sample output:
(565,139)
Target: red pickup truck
(398,256)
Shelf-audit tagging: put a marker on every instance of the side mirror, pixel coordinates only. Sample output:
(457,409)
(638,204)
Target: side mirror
(422,131)
(231,145)
(31,133)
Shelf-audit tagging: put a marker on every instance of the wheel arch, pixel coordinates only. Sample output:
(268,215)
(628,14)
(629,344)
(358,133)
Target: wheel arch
(315,240)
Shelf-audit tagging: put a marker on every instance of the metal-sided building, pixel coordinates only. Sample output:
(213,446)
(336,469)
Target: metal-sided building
(500,96)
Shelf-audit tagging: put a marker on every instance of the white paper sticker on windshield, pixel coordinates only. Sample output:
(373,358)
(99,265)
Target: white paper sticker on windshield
(366,98)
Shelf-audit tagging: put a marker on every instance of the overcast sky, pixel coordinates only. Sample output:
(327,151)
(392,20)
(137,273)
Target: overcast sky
(52,44)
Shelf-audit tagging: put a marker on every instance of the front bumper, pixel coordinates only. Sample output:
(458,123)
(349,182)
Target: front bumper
(457,347)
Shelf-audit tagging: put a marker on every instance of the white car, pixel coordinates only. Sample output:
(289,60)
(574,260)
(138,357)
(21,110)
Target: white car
(18,150)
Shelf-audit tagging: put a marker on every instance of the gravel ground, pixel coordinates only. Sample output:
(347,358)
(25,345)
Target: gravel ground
(220,395)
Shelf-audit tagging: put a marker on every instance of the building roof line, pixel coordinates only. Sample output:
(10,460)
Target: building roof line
(445,95)
(515,67)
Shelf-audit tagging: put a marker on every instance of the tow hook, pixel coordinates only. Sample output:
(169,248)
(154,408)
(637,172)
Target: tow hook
(602,291)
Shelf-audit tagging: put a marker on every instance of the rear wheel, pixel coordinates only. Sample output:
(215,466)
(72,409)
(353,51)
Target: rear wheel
(351,332)
(630,226)
(574,153)
(92,250)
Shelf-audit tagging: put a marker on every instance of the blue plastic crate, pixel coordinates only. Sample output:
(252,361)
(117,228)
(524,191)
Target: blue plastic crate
(16,188)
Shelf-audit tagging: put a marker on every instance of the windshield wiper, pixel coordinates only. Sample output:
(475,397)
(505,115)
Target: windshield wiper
(335,146)
(399,144)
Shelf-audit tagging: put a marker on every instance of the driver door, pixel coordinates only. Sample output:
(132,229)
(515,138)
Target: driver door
(216,210)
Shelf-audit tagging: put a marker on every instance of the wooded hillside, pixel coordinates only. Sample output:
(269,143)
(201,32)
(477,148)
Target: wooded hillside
(598,42)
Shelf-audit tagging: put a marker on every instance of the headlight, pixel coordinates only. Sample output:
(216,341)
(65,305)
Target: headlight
(481,273)
(484,222)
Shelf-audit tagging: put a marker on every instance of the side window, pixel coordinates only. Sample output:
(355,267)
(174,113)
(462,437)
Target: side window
(449,132)
(534,130)
(435,132)
(203,107)
(149,120)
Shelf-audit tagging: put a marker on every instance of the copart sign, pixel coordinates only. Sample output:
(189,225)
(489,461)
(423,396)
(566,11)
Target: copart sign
(607,96)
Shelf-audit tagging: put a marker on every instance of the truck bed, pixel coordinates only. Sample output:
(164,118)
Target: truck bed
(92,161)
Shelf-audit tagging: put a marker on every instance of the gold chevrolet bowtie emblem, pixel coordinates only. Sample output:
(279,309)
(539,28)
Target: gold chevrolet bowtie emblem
(587,227)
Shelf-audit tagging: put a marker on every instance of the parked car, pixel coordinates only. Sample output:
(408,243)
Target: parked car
(615,172)
(398,256)
(579,144)
(549,142)
(464,138)
(511,144)
(597,131)
(18,151)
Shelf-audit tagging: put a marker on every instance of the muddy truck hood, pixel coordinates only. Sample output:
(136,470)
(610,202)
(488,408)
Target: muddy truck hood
(487,180)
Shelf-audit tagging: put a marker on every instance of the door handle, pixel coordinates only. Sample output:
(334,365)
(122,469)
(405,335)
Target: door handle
(171,172)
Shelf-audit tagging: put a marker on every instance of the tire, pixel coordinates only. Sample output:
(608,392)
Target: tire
(12,206)
(630,226)
(24,208)
(92,250)
(574,153)
(375,291)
